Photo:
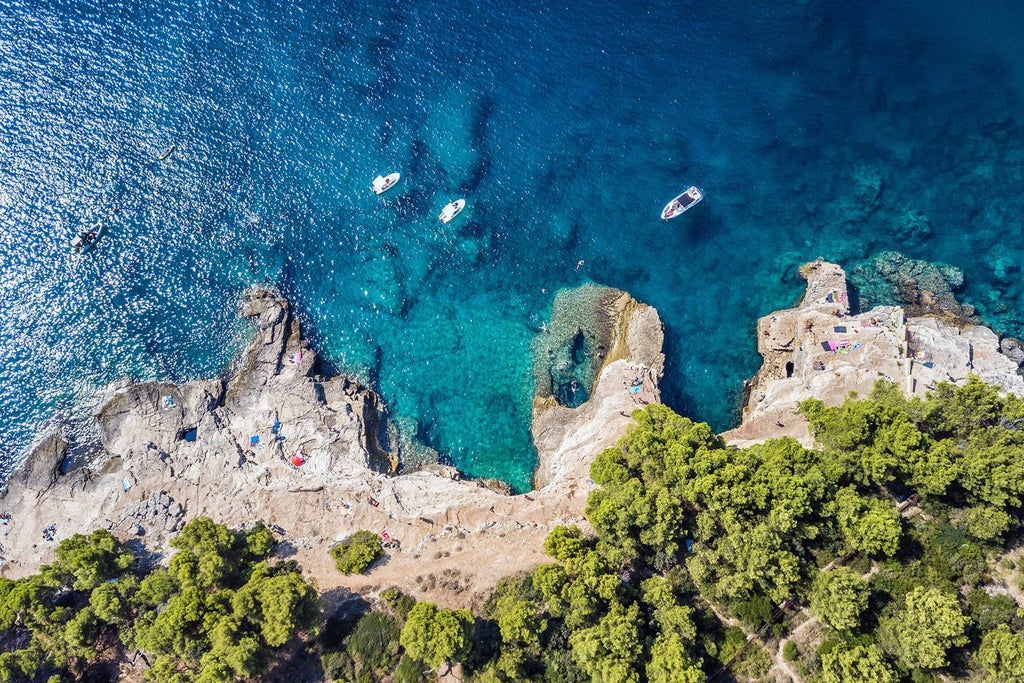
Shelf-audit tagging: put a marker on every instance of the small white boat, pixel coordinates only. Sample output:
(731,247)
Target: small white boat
(166,153)
(682,203)
(451,210)
(383,183)
(84,240)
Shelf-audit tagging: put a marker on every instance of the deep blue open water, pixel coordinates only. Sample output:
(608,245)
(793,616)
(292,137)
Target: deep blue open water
(567,126)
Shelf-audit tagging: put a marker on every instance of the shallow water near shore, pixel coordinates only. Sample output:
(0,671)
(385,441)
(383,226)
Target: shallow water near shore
(814,131)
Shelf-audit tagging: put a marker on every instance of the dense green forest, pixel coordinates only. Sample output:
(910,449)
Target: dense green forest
(888,553)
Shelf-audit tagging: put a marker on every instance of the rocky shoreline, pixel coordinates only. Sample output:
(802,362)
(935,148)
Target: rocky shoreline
(275,441)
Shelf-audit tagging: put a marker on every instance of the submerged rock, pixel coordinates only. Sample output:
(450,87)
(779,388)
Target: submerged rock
(922,287)
(859,197)
(912,226)
(572,346)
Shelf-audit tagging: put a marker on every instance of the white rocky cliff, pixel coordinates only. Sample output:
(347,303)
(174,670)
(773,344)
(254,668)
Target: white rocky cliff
(819,350)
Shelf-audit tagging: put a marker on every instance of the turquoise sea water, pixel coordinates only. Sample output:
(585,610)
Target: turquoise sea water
(814,128)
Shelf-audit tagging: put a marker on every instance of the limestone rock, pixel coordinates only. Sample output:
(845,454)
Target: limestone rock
(42,466)
(1012,349)
(226,448)
(821,350)
(628,336)
(159,512)
(157,413)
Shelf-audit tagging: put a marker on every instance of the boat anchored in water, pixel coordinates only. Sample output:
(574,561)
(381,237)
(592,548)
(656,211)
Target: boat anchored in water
(682,203)
(383,183)
(85,239)
(451,210)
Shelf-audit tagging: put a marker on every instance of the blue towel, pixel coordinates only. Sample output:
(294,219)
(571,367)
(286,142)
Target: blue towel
(254,439)
(635,390)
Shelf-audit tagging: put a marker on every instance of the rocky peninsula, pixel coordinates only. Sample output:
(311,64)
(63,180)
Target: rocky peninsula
(820,349)
(275,441)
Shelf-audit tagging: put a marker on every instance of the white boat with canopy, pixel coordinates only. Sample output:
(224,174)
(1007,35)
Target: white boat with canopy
(682,203)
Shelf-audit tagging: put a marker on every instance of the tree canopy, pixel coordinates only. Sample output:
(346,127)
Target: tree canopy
(922,632)
(845,664)
(435,635)
(357,552)
(748,528)
(216,613)
(839,597)
(686,530)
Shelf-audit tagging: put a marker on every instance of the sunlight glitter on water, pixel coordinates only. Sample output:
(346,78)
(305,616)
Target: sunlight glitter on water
(567,138)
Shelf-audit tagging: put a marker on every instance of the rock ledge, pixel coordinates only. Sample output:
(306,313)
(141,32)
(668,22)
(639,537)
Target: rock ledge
(819,350)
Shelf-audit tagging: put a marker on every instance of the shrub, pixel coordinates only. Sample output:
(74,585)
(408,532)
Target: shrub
(373,644)
(357,552)
(789,651)
(410,670)
(398,602)
(734,640)
(988,611)
(753,663)
(755,612)
(337,665)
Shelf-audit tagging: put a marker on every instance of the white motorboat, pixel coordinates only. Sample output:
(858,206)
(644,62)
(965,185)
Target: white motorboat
(85,239)
(451,210)
(383,183)
(682,203)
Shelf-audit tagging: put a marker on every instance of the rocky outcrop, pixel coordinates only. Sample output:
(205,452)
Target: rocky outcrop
(1013,349)
(159,512)
(40,472)
(626,365)
(155,414)
(820,350)
(218,447)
